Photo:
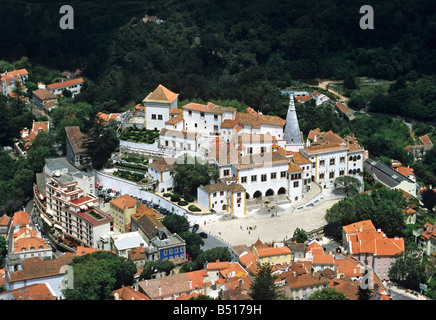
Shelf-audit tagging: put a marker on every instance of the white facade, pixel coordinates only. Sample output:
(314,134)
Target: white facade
(263,180)
(156,115)
(158,105)
(162,174)
(331,162)
(227,197)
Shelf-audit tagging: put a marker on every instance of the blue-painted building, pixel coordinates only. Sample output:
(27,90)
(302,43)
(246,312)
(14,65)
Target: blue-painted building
(169,245)
(163,245)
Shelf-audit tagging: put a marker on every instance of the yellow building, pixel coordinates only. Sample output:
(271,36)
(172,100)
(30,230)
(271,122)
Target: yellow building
(120,210)
(273,255)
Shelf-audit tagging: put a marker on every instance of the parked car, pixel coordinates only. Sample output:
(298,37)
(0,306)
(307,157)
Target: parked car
(99,188)
(203,235)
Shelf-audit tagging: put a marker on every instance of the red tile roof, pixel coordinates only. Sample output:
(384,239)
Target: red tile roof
(77,138)
(66,83)
(365,225)
(128,293)
(5,220)
(323,259)
(161,94)
(425,140)
(274,251)
(38,291)
(123,202)
(44,94)
(21,218)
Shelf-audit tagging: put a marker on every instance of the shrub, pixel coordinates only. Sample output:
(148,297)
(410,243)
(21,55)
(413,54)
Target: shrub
(175,198)
(189,199)
(182,203)
(166,195)
(193,208)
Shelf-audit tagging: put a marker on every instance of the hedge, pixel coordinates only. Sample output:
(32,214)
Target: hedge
(193,208)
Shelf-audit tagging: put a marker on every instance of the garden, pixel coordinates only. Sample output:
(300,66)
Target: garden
(182,201)
(143,135)
(129,175)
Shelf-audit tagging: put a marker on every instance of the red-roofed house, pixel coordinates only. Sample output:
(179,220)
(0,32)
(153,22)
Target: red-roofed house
(372,246)
(5,222)
(121,209)
(38,291)
(27,136)
(301,287)
(9,78)
(105,117)
(273,255)
(73,85)
(44,100)
(426,238)
(19,220)
(322,261)
(127,293)
(426,142)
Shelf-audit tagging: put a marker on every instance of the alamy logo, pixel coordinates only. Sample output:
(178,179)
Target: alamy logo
(367,21)
(367,280)
(67,281)
(67,21)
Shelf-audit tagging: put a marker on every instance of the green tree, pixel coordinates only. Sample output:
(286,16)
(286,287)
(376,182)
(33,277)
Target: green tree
(350,82)
(347,184)
(300,235)
(97,274)
(409,269)
(384,207)
(211,255)
(193,243)
(189,173)
(327,294)
(176,223)
(101,141)
(429,198)
(262,286)
(152,267)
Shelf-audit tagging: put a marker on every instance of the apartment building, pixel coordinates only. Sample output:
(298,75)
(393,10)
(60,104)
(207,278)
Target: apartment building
(69,204)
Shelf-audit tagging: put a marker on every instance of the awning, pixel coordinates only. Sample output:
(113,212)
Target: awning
(57,226)
(50,211)
(46,220)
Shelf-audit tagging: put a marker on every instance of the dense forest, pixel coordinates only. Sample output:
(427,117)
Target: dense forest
(220,49)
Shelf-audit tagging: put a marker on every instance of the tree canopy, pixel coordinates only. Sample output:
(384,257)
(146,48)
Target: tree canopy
(97,274)
(263,286)
(384,207)
(189,173)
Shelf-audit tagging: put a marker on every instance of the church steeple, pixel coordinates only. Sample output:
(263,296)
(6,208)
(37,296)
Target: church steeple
(292,129)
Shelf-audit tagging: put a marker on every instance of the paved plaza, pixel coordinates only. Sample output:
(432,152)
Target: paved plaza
(269,223)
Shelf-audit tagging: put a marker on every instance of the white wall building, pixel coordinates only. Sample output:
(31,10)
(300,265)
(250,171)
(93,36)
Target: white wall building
(160,171)
(158,105)
(228,197)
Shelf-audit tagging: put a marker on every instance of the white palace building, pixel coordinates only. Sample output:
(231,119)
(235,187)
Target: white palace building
(256,155)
